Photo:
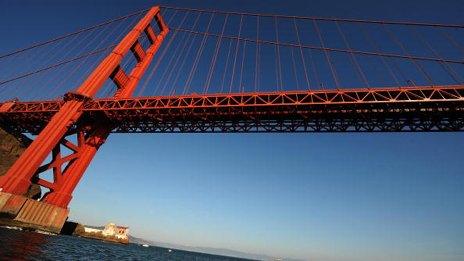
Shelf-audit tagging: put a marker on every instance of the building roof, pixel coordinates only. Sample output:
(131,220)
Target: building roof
(122,227)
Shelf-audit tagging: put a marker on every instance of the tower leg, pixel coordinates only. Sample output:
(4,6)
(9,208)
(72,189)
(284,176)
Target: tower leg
(75,170)
(51,211)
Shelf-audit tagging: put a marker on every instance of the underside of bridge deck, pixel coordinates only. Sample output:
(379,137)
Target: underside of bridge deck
(358,110)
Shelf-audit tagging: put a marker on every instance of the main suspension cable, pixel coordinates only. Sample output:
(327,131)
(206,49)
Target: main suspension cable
(71,34)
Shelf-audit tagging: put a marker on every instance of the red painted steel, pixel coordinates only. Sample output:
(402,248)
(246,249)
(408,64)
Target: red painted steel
(418,108)
(69,169)
(425,108)
(307,97)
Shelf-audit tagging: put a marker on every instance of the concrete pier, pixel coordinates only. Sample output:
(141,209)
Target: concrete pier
(28,213)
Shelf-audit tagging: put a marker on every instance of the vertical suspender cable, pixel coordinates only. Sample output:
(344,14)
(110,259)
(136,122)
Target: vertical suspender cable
(278,63)
(171,66)
(294,69)
(236,53)
(308,84)
(175,54)
(384,61)
(327,55)
(187,53)
(241,87)
(452,41)
(216,52)
(400,44)
(226,66)
(198,56)
(257,56)
(353,59)
(445,65)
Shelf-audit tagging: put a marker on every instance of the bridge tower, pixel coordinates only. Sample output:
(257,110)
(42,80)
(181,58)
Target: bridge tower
(51,211)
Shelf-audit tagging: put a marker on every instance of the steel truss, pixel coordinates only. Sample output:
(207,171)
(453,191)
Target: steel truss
(54,127)
(438,108)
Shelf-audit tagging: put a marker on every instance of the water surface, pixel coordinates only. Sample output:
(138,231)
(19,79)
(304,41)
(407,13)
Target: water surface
(22,245)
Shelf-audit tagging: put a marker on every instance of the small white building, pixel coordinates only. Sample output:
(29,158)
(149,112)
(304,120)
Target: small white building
(119,232)
(92,230)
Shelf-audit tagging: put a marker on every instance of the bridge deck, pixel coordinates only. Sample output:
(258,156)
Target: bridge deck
(426,108)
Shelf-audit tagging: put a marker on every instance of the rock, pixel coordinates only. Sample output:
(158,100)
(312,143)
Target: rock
(34,192)
(10,150)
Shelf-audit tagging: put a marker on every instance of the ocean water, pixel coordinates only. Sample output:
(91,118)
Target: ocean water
(22,245)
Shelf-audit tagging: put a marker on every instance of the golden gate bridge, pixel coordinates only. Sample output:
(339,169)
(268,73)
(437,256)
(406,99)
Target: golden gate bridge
(169,69)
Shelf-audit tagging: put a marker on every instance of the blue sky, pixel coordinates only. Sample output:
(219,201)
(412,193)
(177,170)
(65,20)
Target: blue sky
(310,196)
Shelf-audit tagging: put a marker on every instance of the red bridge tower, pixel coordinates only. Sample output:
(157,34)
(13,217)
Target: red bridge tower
(51,211)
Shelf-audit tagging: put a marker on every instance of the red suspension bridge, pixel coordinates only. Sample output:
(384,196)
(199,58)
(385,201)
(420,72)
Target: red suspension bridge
(170,69)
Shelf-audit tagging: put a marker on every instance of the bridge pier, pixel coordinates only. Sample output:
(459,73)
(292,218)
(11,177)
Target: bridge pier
(20,211)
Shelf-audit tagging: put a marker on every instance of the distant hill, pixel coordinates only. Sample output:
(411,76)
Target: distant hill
(140,241)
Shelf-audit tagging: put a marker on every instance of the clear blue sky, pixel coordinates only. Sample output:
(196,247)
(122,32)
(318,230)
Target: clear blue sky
(310,196)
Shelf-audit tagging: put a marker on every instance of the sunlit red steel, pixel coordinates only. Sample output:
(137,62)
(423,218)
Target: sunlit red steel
(28,167)
(427,108)
(415,108)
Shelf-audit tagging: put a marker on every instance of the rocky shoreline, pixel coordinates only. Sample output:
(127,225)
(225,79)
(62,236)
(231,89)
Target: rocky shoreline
(76,229)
